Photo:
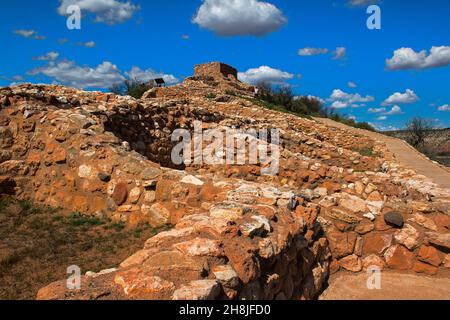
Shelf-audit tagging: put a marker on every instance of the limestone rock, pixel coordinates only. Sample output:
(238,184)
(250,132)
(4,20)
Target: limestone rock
(198,290)
(226,275)
(351,263)
(408,236)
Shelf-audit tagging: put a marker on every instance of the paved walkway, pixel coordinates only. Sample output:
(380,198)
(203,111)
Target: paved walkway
(404,153)
(394,286)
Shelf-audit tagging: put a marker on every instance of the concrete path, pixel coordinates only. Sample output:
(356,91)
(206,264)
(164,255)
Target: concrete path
(394,286)
(404,153)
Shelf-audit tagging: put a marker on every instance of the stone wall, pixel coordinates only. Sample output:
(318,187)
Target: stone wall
(217,70)
(249,246)
(237,233)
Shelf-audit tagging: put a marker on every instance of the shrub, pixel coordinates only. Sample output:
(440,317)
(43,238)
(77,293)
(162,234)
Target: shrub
(76,219)
(210,96)
(418,129)
(230,92)
(133,87)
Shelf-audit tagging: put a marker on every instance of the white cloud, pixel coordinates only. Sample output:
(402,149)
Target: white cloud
(185,37)
(264,74)
(68,73)
(381,118)
(340,53)
(445,108)
(376,110)
(351,84)
(106,11)
(342,99)
(89,44)
(339,105)
(362,2)
(239,17)
(49,56)
(33,34)
(407,58)
(401,98)
(103,76)
(394,111)
(309,51)
(149,74)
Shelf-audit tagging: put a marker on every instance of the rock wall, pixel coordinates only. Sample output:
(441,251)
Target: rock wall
(216,70)
(339,202)
(249,246)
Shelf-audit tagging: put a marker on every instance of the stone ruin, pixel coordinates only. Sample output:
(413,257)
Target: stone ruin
(216,70)
(237,234)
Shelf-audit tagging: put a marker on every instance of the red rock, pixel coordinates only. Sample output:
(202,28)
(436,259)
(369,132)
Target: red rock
(430,255)
(331,187)
(351,263)
(364,229)
(439,240)
(59,156)
(81,204)
(421,267)
(381,225)
(373,261)
(163,190)
(157,215)
(200,247)
(120,194)
(375,196)
(137,284)
(242,260)
(442,221)
(341,244)
(399,258)
(34,159)
(375,243)
(334,266)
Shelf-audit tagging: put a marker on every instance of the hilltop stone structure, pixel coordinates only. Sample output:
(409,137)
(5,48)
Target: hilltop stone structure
(216,70)
(237,234)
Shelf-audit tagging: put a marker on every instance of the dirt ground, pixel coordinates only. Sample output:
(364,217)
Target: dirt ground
(38,244)
(393,286)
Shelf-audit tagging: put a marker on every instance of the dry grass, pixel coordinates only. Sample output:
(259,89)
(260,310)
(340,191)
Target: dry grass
(38,244)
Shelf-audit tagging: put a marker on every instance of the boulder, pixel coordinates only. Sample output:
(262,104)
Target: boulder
(394,219)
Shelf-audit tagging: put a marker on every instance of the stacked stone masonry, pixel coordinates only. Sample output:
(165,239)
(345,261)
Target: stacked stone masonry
(237,234)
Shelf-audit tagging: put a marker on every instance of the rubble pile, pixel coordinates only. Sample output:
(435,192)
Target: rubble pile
(339,201)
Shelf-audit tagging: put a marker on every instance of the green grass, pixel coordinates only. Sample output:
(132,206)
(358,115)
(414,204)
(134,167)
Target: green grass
(76,219)
(119,226)
(366,152)
(3,204)
(230,92)
(25,205)
(58,218)
(210,96)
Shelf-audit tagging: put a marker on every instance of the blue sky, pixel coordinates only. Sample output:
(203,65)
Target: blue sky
(137,38)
